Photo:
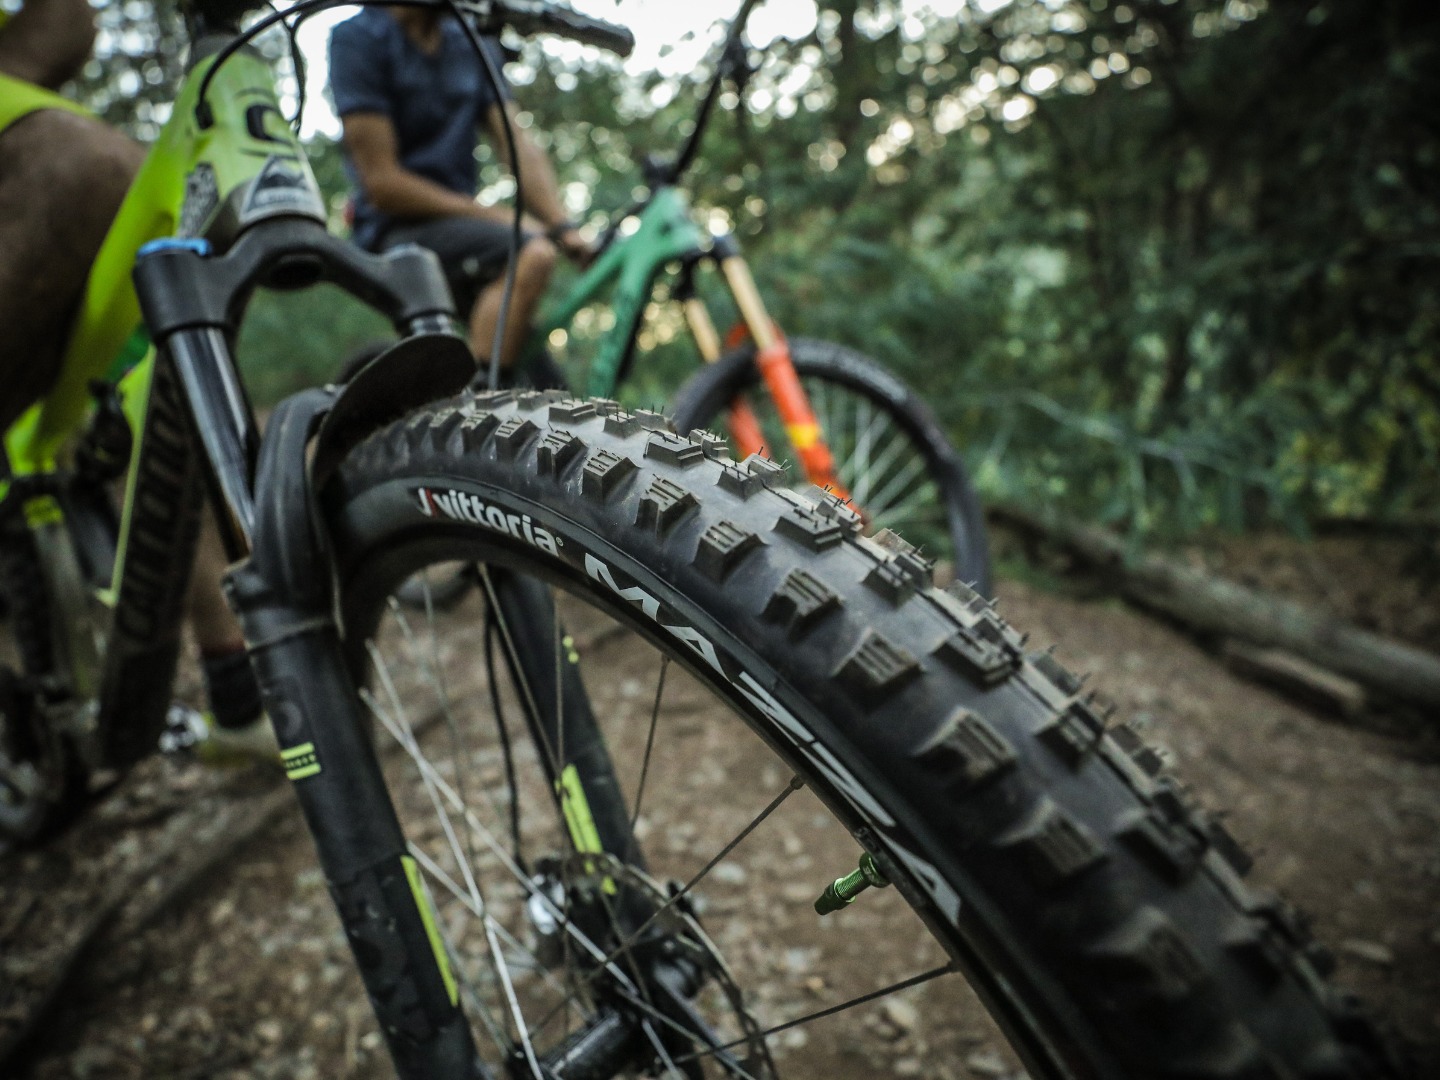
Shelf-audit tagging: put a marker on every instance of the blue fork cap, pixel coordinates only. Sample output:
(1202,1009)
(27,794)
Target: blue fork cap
(175,243)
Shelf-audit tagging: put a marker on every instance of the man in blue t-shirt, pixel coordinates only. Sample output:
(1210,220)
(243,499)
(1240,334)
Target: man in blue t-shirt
(412,97)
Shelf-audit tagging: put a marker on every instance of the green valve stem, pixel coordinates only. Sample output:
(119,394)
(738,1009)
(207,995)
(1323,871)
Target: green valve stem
(843,891)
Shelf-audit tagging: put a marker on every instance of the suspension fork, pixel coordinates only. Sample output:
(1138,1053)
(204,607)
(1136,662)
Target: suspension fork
(744,426)
(777,369)
(280,588)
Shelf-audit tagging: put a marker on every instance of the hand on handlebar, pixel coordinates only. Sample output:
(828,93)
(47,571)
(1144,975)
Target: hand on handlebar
(575,247)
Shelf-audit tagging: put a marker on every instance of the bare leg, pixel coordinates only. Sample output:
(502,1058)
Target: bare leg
(234,731)
(216,628)
(534,265)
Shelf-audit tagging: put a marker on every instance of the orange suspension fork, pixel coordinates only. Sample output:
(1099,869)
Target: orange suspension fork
(744,426)
(772,356)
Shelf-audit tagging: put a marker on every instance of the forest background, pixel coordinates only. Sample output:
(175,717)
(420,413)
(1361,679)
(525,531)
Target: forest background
(1166,264)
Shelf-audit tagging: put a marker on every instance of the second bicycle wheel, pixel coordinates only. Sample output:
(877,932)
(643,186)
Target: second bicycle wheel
(625,879)
(892,456)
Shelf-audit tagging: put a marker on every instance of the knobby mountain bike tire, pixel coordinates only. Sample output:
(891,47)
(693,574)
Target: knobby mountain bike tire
(891,453)
(1102,919)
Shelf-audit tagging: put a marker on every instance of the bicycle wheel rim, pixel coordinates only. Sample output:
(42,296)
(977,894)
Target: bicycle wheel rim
(446,884)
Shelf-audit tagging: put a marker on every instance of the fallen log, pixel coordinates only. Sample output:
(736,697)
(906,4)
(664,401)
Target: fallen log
(1297,677)
(1225,610)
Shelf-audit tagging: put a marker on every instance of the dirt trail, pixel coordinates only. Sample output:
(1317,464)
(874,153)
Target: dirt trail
(248,976)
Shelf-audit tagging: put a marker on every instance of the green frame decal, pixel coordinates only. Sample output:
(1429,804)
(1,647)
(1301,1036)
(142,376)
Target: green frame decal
(432,929)
(300,761)
(579,820)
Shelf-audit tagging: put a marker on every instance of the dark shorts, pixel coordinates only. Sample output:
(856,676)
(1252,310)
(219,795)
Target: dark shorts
(472,251)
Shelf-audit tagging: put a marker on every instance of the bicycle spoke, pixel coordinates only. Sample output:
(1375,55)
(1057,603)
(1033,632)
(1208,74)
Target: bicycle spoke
(497,1033)
(794,786)
(382,669)
(451,886)
(649,745)
(819,394)
(404,734)
(489,839)
(727,1061)
(897,485)
(862,443)
(819,1014)
(516,1012)
(457,740)
(893,444)
(436,672)
(790,789)
(473,900)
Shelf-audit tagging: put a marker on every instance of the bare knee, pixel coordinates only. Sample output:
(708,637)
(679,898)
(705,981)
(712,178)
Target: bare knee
(535,265)
(62,177)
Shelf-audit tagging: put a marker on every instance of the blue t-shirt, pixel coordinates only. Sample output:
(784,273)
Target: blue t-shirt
(436,103)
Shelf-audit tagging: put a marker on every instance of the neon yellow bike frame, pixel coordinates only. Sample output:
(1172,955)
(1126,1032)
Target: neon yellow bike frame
(191,176)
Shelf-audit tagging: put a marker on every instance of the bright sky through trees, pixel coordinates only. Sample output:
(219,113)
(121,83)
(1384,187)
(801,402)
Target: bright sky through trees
(680,25)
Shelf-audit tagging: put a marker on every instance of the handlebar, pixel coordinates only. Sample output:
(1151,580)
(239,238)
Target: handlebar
(525,16)
(540,17)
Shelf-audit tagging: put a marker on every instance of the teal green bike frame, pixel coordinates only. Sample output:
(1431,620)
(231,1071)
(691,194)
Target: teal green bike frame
(630,266)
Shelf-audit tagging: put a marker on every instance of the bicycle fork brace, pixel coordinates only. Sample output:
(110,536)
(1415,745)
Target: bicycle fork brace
(284,597)
(282,590)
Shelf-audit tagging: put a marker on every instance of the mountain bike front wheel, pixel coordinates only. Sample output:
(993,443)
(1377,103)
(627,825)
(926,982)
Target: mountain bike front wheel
(632,893)
(891,455)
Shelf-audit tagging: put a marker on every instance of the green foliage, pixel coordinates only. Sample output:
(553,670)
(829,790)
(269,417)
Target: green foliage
(1167,263)
(131,79)
(294,340)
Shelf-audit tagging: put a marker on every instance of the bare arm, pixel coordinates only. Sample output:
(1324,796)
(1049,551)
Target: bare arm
(394,189)
(537,175)
(48,41)
(537,181)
